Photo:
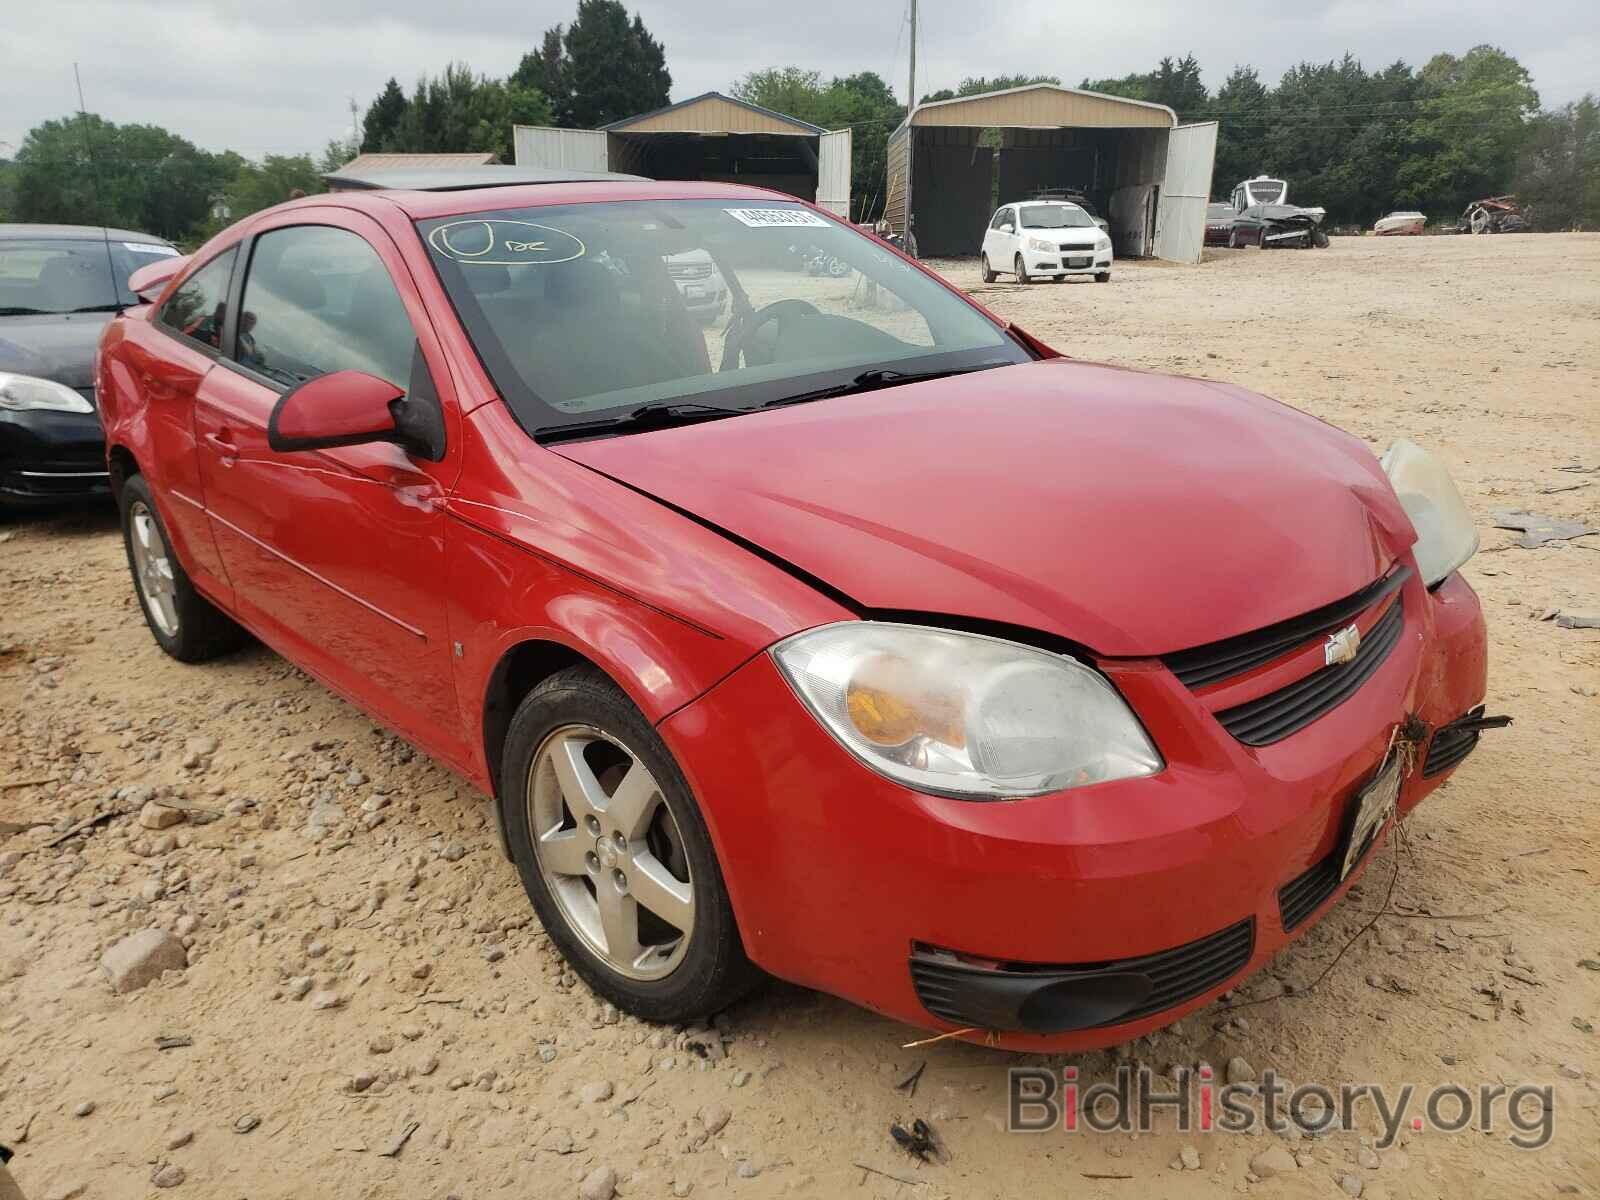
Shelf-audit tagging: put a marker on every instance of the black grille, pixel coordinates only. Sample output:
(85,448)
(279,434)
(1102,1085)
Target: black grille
(1451,744)
(1236,655)
(1176,975)
(1301,896)
(1275,716)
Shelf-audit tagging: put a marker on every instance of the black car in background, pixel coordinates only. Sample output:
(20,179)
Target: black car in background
(1278,226)
(59,286)
(1219,223)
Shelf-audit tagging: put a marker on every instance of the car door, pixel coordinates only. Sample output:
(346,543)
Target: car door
(1006,240)
(336,556)
(991,245)
(168,359)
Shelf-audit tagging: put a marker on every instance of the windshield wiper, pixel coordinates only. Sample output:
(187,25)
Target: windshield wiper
(655,415)
(879,377)
(100,308)
(17,311)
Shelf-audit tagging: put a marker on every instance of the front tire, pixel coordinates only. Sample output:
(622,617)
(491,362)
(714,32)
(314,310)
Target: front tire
(988,274)
(1020,270)
(1103,277)
(184,623)
(614,854)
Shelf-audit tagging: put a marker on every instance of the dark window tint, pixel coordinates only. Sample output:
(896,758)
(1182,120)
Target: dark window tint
(319,299)
(198,308)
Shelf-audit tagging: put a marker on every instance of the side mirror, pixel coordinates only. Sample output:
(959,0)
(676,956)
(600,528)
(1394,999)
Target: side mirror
(343,408)
(148,282)
(1007,227)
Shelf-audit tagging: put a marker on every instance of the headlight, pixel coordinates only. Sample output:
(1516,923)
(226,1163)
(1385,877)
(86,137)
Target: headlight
(960,714)
(21,392)
(1042,246)
(1104,243)
(1446,536)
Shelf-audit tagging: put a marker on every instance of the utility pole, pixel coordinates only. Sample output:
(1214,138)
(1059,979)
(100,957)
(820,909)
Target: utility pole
(908,245)
(355,127)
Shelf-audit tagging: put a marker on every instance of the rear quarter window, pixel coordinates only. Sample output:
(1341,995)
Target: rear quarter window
(198,310)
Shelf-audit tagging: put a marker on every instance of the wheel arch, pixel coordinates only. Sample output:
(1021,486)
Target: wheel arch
(123,465)
(520,669)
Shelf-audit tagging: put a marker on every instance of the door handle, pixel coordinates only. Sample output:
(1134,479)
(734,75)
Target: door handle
(222,442)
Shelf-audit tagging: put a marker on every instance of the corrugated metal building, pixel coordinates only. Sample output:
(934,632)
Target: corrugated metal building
(711,137)
(1148,175)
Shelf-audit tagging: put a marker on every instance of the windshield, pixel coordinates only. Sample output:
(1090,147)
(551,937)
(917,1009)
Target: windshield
(587,311)
(62,275)
(1055,216)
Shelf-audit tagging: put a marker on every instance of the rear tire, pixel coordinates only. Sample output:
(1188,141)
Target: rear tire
(184,623)
(1020,270)
(988,275)
(660,858)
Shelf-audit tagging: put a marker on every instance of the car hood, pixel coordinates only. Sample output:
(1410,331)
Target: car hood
(57,346)
(1135,514)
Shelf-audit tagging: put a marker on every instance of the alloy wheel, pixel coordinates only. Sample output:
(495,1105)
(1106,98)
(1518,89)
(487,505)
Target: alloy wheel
(610,851)
(152,569)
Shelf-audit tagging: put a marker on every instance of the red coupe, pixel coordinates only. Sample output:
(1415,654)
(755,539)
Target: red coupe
(862,639)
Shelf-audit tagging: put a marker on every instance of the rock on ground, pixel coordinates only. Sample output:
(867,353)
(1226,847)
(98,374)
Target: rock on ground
(599,1184)
(1273,1161)
(140,958)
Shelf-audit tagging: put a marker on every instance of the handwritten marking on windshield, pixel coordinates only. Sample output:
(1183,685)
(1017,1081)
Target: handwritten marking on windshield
(504,243)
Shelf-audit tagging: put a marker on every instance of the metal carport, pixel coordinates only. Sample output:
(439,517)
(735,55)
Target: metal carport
(1147,175)
(713,137)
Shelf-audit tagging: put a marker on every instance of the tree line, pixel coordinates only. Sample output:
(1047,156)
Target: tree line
(1357,142)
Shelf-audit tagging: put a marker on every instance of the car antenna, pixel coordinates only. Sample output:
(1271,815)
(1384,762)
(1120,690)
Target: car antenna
(94,179)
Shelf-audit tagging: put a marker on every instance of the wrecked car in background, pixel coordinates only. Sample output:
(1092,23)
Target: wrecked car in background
(1278,226)
(1493,214)
(1400,224)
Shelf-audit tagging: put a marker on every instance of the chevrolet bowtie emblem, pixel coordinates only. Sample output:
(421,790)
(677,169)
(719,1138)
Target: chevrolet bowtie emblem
(1341,647)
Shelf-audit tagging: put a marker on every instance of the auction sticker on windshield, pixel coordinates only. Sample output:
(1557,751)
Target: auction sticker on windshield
(758,218)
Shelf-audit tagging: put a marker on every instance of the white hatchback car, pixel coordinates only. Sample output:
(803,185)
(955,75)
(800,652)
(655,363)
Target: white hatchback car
(1045,237)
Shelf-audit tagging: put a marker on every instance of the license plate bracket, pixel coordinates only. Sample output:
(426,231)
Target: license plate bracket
(1374,807)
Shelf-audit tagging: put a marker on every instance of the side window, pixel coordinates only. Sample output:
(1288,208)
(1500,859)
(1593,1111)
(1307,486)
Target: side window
(199,307)
(319,299)
(999,219)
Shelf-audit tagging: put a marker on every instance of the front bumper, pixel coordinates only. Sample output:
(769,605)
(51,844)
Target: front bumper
(846,882)
(49,458)
(1088,261)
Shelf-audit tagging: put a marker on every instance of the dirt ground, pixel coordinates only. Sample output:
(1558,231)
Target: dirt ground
(449,1011)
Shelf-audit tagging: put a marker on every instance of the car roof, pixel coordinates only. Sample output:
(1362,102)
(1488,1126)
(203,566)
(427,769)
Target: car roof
(462,178)
(15,232)
(599,189)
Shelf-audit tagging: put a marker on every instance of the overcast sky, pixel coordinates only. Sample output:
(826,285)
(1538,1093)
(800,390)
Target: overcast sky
(276,76)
